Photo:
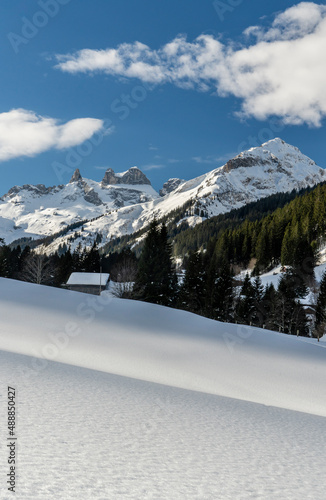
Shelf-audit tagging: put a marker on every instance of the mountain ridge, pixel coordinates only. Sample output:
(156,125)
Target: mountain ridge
(114,208)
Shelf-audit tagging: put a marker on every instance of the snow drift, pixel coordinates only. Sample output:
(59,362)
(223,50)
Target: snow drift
(84,433)
(161,345)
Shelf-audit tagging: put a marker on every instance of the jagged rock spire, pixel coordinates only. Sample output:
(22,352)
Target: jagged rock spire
(110,177)
(132,176)
(76,176)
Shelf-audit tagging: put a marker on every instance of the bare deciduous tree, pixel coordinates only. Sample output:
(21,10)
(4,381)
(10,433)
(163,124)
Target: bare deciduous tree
(123,276)
(38,268)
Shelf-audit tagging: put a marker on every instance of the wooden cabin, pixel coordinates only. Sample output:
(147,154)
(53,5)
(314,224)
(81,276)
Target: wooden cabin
(93,283)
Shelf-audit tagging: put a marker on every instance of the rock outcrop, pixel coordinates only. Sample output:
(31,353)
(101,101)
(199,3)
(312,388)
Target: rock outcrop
(133,176)
(76,176)
(170,186)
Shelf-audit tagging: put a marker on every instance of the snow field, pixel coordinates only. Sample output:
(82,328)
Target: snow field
(120,399)
(161,345)
(91,435)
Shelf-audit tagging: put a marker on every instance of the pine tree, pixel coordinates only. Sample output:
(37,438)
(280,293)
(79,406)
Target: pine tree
(320,323)
(293,283)
(258,289)
(262,251)
(304,258)
(64,268)
(156,279)
(193,289)
(269,308)
(221,296)
(23,256)
(288,247)
(91,260)
(4,261)
(168,279)
(77,259)
(292,317)
(257,317)
(246,303)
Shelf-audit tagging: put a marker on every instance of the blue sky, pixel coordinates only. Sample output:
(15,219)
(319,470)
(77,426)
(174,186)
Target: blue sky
(176,88)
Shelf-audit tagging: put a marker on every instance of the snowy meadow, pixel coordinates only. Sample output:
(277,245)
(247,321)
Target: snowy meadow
(124,399)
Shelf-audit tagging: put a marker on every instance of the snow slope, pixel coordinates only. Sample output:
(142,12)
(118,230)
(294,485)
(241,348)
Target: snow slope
(219,427)
(162,345)
(83,434)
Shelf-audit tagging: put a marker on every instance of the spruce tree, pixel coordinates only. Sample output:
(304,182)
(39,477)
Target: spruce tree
(292,317)
(64,268)
(221,296)
(168,278)
(262,251)
(320,323)
(257,317)
(193,289)
(258,289)
(246,303)
(4,261)
(91,260)
(269,307)
(156,279)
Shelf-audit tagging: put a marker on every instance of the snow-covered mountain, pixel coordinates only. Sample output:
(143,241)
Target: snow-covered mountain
(37,211)
(126,202)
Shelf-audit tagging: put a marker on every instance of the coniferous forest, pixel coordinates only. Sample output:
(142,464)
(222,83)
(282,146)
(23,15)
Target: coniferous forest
(285,229)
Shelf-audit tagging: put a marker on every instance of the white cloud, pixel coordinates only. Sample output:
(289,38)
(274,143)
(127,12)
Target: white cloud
(174,160)
(215,160)
(295,22)
(281,71)
(152,167)
(199,159)
(24,133)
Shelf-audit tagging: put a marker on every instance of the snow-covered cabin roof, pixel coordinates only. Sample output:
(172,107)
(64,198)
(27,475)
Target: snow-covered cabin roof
(95,279)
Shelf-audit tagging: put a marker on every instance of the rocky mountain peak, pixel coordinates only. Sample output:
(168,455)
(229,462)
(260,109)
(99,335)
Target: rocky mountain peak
(133,176)
(274,153)
(76,176)
(170,186)
(110,177)
(127,205)
(239,161)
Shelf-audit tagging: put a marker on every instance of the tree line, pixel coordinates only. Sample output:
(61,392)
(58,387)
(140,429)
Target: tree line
(289,235)
(54,270)
(209,288)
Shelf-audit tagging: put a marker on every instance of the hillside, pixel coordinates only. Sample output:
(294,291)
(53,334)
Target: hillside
(148,402)
(167,346)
